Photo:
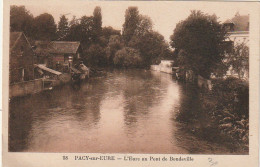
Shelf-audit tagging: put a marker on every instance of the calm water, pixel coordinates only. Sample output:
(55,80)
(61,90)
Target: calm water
(126,111)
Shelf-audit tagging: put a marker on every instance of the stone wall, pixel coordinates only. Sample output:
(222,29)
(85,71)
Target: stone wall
(25,88)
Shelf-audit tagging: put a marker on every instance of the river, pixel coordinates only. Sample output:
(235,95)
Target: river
(126,111)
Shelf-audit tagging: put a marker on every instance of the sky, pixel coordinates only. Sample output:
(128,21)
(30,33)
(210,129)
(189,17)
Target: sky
(165,14)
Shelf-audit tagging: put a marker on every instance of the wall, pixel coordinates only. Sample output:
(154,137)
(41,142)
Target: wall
(21,57)
(25,88)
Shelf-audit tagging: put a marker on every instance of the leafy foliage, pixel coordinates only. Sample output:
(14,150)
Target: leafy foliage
(238,59)
(131,23)
(21,20)
(127,57)
(115,44)
(152,47)
(199,41)
(63,28)
(94,56)
(45,27)
(228,105)
(97,42)
(138,33)
(97,24)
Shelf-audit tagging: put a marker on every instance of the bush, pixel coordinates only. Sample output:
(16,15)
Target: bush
(127,57)
(233,94)
(95,56)
(228,105)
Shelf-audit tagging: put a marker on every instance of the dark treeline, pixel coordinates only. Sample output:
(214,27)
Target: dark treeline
(137,46)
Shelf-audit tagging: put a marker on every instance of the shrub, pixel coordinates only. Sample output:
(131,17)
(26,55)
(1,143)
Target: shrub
(127,57)
(228,105)
(232,94)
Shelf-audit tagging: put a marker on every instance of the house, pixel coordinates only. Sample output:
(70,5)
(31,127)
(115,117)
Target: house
(237,33)
(237,29)
(58,55)
(21,58)
(64,54)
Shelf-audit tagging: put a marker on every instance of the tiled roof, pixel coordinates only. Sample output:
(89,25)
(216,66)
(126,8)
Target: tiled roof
(64,47)
(241,22)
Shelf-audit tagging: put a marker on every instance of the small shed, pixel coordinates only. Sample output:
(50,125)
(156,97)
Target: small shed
(65,53)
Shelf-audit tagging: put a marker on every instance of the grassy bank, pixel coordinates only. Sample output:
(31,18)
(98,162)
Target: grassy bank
(220,115)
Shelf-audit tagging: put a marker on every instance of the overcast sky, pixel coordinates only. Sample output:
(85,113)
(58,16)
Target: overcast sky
(165,15)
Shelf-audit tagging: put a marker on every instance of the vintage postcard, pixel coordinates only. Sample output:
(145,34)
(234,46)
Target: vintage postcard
(130,83)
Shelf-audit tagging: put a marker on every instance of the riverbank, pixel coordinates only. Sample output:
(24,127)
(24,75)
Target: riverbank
(220,115)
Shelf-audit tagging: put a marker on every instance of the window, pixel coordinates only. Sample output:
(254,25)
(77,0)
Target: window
(228,46)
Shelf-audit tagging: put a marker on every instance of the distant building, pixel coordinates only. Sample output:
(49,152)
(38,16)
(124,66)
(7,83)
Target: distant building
(237,33)
(58,55)
(237,29)
(21,58)
(164,66)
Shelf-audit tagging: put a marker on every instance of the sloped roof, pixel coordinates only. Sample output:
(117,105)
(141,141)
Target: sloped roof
(42,47)
(228,21)
(64,47)
(48,69)
(241,22)
(14,37)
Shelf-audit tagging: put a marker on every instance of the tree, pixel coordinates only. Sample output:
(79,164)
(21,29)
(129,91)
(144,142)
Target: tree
(21,20)
(95,56)
(45,27)
(63,28)
(127,57)
(152,47)
(131,23)
(238,59)
(199,41)
(86,24)
(106,33)
(97,24)
(144,25)
(115,44)
(74,33)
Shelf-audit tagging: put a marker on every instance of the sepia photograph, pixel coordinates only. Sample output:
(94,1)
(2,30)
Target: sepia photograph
(129,78)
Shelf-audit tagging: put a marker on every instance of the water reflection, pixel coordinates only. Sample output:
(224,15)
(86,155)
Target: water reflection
(127,111)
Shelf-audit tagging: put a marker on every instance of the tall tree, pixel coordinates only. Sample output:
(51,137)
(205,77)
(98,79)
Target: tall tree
(144,25)
(74,33)
(131,23)
(86,24)
(63,28)
(152,47)
(21,20)
(199,41)
(97,24)
(115,44)
(45,27)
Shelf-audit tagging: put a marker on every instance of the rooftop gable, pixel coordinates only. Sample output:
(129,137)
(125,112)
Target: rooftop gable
(241,22)
(67,47)
(14,37)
